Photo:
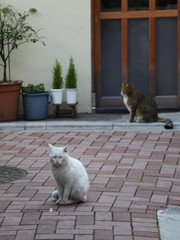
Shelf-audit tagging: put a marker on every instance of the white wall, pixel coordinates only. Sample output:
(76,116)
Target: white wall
(66,27)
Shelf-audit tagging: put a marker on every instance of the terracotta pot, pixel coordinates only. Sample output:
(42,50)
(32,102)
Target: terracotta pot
(9,101)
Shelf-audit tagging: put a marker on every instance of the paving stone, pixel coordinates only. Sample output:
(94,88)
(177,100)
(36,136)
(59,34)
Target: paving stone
(4,204)
(25,234)
(103,234)
(11,220)
(122,238)
(30,217)
(124,228)
(145,238)
(83,237)
(121,217)
(54,236)
(103,216)
(46,228)
(7,237)
(85,220)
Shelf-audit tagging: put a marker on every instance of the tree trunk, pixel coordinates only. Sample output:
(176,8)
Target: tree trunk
(4,73)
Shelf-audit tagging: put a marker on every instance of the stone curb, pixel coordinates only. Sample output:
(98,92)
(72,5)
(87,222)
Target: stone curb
(83,126)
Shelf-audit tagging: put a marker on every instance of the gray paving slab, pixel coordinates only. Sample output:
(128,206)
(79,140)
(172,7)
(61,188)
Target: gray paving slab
(169,223)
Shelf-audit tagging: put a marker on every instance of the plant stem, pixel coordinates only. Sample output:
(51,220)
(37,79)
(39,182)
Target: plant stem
(9,66)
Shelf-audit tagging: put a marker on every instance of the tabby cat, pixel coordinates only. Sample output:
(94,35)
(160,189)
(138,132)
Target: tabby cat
(143,106)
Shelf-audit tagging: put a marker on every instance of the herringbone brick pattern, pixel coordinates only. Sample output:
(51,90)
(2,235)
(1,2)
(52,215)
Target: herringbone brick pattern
(132,175)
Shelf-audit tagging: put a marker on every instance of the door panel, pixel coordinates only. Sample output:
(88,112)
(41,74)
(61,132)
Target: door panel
(166,56)
(110,57)
(110,6)
(166,4)
(138,54)
(139,5)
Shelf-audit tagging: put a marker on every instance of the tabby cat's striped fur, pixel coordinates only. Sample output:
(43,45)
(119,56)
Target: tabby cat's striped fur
(143,106)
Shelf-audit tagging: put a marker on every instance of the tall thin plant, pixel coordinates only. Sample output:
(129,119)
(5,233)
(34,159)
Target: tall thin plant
(14,31)
(71,77)
(57,76)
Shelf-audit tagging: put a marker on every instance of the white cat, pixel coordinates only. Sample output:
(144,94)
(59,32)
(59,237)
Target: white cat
(70,176)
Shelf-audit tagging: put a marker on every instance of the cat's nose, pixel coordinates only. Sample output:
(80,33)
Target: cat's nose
(57,164)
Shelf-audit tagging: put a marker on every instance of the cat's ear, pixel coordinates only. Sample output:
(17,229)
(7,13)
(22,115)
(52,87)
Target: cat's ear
(50,146)
(65,149)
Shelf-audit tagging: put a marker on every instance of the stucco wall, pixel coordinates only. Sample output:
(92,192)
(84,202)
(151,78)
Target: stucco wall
(66,27)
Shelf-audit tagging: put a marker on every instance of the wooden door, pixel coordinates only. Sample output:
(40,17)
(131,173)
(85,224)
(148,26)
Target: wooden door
(136,41)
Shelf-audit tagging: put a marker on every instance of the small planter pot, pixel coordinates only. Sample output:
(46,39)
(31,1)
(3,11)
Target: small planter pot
(71,95)
(57,96)
(36,105)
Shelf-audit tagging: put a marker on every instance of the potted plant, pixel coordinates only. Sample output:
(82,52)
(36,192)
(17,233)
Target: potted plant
(57,84)
(35,102)
(71,83)
(14,31)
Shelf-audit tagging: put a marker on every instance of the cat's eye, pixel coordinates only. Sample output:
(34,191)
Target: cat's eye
(57,157)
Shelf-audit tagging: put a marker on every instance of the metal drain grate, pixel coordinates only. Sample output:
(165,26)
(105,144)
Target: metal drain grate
(10,174)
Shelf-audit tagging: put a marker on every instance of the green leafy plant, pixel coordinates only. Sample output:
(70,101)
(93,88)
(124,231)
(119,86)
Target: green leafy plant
(14,31)
(32,89)
(71,77)
(57,76)
(32,10)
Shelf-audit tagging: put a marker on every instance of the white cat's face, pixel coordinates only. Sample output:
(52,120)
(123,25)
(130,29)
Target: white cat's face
(58,156)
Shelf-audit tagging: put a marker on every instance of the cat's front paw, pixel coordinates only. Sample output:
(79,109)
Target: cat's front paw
(64,202)
(130,120)
(61,202)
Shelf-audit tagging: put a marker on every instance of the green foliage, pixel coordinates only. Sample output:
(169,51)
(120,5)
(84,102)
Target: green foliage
(31,89)
(32,10)
(14,31)
(71,77)
(57,76)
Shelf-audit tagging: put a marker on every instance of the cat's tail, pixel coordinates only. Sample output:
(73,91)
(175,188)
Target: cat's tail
(168,122)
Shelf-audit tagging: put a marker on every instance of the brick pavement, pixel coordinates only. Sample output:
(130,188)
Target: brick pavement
(132,175)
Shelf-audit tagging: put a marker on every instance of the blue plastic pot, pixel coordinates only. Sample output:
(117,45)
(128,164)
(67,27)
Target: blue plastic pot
(36,105)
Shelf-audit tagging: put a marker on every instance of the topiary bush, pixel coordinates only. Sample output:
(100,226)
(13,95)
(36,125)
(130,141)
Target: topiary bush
(71,77)
(57,76)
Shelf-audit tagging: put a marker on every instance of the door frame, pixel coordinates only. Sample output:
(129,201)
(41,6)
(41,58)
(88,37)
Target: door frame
(125,15)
